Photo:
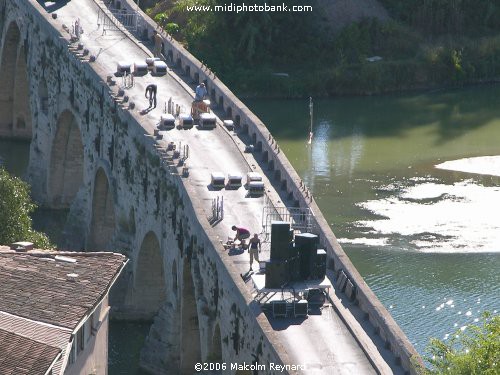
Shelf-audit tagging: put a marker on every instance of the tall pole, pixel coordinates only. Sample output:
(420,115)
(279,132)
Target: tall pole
(311,115)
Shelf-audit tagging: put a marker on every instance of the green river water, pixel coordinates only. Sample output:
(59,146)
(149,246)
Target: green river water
(427,241)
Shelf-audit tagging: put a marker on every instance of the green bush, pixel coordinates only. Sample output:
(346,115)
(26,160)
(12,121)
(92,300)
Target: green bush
(473,351)
(172,28)
(439,17)
(15,209)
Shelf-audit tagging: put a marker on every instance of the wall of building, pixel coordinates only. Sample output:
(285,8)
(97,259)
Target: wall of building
(93,359)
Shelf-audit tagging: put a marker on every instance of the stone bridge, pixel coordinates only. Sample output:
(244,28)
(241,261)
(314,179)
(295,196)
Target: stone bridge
(94,158)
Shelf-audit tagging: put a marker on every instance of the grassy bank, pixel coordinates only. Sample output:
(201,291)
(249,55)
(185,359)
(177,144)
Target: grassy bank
(450,63)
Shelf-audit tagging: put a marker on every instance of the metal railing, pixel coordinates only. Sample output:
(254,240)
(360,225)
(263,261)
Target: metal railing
(300,219)
(217,210)
(128,19)
(116,19)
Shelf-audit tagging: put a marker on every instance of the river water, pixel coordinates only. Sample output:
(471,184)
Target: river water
(426,240)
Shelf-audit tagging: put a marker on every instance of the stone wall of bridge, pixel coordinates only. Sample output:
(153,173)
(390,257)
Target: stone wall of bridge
(292,189)
(91,159)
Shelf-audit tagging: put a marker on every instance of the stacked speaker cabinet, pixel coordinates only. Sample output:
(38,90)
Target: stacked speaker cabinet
(294,263)
(281,238)
(300,308)
(279,309)
(307,244)
(276,274)
(318,270)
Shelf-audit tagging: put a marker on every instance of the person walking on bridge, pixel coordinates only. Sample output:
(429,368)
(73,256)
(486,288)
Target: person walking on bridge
(254,249)
(151,89)
(158,44)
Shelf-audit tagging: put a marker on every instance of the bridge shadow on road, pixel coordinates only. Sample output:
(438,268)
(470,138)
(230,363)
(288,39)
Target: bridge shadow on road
(281,324)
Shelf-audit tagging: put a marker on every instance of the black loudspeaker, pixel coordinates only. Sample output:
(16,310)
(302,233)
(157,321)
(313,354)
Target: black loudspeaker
(316,297)
(279,309)
(276,274)
(279,227)
(306,243)
(300,308)
(307,240)
(294,263)
(318,269)
(281,236)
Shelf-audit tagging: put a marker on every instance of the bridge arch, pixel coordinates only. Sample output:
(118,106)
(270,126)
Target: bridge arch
(66,162)
(15,114)
(190,330)
(102,223)
(149,277)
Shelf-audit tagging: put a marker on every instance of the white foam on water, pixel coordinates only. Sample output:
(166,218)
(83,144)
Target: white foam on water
(365,241)
(435,217)
(489,165)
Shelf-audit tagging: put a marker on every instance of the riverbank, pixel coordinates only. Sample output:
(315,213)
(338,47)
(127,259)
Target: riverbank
(438,65)
(268,85)
(372,53)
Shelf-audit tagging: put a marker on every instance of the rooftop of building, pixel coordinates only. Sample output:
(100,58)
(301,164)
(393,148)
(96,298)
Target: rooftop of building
(45,334)
(44,295)
(22,356)
(57,288)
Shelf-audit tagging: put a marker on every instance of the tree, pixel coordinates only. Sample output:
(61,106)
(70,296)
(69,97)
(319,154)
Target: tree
(476,350)
(15,209)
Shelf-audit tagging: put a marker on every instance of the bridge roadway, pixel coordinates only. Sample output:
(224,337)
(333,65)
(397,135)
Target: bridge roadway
(322,342)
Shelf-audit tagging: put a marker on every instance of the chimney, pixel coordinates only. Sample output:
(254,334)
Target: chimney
(21,246)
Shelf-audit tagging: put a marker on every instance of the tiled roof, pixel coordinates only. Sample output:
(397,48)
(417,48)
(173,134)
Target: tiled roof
(22,356)
(53,336)
(36,286)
